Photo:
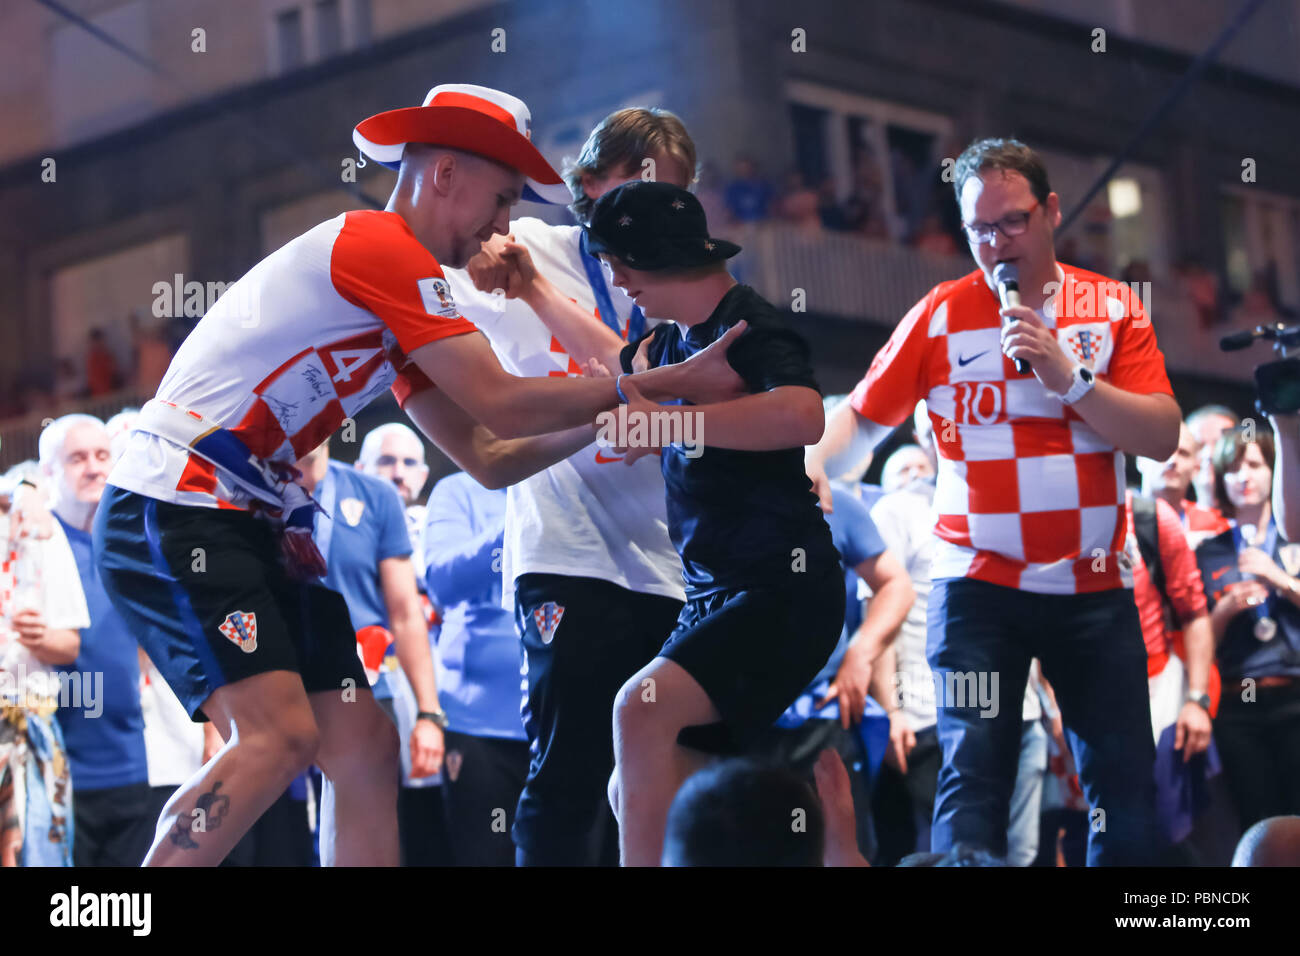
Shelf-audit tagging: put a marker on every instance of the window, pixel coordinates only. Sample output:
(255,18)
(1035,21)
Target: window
(288,35)
(1123,232)
(329,29)
(808,124)
(1261,239)
(879,160)
(107,291)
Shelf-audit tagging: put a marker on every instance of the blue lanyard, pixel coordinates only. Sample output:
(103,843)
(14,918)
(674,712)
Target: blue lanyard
(596,279)
(1268,547)
(323,529)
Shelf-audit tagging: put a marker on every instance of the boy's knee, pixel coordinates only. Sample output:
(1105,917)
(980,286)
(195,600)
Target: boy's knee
(633,711)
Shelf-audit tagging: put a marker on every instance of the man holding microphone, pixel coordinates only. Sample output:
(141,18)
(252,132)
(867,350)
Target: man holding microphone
(1029,503)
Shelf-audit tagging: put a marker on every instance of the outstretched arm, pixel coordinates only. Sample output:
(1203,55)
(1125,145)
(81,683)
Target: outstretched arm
(494,462)
(789,416)
(513,407)
(847,434)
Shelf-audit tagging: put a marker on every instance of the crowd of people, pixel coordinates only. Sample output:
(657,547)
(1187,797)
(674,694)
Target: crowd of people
(916,217)
(222,645)
(97,743)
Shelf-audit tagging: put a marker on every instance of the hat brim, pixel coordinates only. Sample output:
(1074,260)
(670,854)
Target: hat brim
(384,136)
(670,253)
(555,194)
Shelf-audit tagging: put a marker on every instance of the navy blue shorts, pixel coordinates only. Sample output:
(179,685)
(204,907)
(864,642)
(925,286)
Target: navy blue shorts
(754,650)
(204,592)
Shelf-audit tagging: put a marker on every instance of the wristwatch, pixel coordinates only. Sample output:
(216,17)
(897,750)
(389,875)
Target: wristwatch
(1201,700)
(439,717)
(1081,383)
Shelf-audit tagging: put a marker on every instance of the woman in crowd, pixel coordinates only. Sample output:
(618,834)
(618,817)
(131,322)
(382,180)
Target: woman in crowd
(1254,600)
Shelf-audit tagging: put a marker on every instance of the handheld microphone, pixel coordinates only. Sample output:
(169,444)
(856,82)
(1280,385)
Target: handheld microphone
(1007,278)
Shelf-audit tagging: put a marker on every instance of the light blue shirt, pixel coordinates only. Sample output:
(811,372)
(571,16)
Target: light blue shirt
(478,659)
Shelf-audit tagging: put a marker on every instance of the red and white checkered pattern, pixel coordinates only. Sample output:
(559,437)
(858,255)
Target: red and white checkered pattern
(1028,495)
(309,337)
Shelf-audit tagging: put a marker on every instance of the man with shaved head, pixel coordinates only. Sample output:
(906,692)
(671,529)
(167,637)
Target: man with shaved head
(113,806)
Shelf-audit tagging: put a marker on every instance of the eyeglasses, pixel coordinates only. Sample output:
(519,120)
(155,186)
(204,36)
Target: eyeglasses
(1010,225)
(388,461)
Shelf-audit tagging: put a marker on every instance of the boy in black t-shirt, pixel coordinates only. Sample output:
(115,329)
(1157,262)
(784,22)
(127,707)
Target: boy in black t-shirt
(765,596)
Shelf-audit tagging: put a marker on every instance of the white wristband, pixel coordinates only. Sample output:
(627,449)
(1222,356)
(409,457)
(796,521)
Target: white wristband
(1081,383)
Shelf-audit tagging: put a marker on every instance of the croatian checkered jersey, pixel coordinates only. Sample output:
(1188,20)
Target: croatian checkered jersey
(310,336)
(1028,495)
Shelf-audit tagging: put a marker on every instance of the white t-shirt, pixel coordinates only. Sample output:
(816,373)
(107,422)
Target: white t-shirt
(40,573)
(589,515)
(905,521)
(173,743)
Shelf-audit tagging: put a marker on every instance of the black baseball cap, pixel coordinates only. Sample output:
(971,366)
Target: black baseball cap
(651,225)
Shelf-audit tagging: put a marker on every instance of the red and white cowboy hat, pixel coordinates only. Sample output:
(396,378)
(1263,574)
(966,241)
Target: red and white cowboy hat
(472,118)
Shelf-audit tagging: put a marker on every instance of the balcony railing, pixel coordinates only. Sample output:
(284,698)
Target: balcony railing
(876,281)
(19,437)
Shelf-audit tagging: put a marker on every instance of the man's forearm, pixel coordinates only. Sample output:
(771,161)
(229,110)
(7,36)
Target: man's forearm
(581,334)
(411,638)
(767,421)
(886,612)
(492,461)
(836,436)
(1221,617)
(1198,642)
(1144,425)
(883,680)
(847,440)
(515,459)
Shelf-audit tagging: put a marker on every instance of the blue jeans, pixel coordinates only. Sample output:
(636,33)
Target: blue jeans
(980,641)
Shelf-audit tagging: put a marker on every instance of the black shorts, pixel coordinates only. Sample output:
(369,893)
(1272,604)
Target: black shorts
(754,650)
(204,592)
(595,637)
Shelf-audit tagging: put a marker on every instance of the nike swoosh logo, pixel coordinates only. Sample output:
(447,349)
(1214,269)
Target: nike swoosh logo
(1215,575)
(963,362)
(602,460)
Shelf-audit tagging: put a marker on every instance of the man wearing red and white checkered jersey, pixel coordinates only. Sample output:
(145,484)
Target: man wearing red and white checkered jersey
(1029,503)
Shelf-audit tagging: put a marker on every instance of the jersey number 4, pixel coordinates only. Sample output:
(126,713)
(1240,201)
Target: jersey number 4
(350,360)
